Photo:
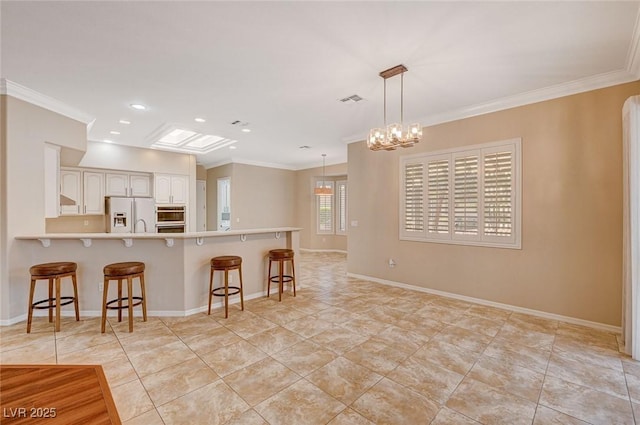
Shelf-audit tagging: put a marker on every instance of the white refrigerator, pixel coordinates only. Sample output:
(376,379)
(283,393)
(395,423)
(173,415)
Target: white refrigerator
(130,215)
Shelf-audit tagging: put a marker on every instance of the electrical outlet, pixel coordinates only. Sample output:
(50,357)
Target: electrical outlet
(100,286)
(392,263)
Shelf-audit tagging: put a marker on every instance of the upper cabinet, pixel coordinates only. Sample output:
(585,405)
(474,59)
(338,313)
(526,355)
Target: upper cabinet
(171,189)
(128,184)
(81,192)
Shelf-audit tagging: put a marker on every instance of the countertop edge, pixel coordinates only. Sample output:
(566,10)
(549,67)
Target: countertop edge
(189,235)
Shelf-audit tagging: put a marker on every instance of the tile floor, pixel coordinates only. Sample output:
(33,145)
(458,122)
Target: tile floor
(347,351)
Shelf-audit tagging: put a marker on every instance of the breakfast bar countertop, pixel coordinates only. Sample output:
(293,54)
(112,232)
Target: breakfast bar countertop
(186,235)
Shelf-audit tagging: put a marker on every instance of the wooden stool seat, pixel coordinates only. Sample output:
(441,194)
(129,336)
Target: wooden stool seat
(53,272)
(123,269)
(226,263)
(127,270)
(281,256)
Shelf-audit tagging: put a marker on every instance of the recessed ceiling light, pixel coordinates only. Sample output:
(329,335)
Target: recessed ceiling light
(114,132)
(200,120)
(138,106)
(246,130)
(108,141)
(125,122)
(233,147)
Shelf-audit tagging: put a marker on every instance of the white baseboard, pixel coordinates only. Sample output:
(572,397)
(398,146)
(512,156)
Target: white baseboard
(137,313)
(537,313)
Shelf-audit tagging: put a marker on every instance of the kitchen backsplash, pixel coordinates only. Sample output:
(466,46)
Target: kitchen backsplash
(76,224)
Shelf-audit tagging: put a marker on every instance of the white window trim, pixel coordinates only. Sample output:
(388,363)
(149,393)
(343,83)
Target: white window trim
(485,240)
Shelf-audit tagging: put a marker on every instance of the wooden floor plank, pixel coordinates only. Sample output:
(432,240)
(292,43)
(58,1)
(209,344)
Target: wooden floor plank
(55,394)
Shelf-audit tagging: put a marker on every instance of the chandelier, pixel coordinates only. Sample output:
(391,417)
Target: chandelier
(393,135)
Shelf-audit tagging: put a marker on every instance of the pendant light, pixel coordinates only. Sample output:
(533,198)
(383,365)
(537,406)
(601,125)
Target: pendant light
(323,189)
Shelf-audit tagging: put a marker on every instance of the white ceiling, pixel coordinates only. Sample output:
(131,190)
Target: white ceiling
(283,66)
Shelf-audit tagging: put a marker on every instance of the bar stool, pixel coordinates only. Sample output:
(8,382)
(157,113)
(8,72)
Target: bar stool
(281,255)
(53,271)
(226,263)
(120,271)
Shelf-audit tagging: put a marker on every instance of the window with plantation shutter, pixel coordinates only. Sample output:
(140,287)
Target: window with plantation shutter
(413,198)
(341,207)
(324,209)
(438,196)
(467,196)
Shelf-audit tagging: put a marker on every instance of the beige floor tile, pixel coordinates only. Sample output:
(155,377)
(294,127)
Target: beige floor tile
(122,328)
(339,340)
(533,323)
(152,417)
(119,372)
(486,404)
(249,327)
(588,336)
(585,403)
(280,316)
(365,326)
(233,357)
(420,325)
(377,356)
(402,339)
(488,312)
(305,357)
(39,353)
(470,340)
(70,326)
(38,325)
(198,324)
(18,337)
(153,361)
(261,380)
(631,366)
(344,379)
(148,341)
(310,307)
(532,358)
(82,340)
(178,380)
(479,325)
(633,386)
(275,339)
(350,417)
(213,404)
(527,337)
(592,355)
(636,410)
(448,356)
(302,404)
(309,326)
(212,340)
(602,379)
(131,400)
(546,416)
(508,377)
(447,416)
(426,378)
(98,354)
(439,313)
(391,403)
(250,417)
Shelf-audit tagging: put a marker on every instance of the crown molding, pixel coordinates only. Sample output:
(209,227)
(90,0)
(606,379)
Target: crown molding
(26,94)
(248,162)
(633,55)
(595,82)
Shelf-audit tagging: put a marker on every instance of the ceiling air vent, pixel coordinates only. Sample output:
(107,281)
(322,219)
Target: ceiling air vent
(353,98)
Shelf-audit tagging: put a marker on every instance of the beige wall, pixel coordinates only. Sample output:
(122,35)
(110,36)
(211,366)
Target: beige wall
(570,261)
(27,127)
(260,196)
(201,172)
(306,208)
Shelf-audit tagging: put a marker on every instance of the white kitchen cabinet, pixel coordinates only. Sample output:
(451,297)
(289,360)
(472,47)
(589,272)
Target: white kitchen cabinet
(93,192)
(70,192)
(127,184)
(171,189)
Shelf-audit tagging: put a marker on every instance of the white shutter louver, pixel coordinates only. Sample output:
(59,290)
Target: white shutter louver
(438,196)
(341,207)
(465,193)
(413,197)
(498,194)
(325,209)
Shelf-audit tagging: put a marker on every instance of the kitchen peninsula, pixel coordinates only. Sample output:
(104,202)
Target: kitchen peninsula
(177,265)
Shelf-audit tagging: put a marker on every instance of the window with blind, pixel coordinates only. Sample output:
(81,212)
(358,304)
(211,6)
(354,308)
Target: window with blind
(465,196)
